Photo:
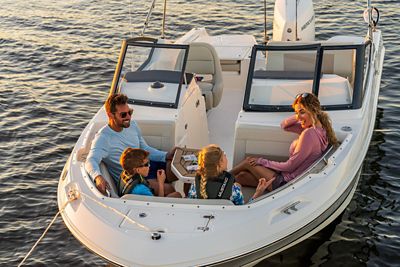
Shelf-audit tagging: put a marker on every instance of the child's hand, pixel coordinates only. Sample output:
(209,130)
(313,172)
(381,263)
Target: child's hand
(161,176)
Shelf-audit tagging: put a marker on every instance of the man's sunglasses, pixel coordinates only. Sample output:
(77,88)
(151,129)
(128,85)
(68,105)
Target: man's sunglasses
(124,114)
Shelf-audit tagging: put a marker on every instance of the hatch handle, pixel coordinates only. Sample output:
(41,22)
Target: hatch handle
(291,208)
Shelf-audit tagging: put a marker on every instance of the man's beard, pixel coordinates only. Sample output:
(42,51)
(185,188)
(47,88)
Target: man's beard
(125,124)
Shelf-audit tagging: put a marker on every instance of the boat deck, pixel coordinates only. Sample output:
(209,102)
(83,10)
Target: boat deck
(222,120)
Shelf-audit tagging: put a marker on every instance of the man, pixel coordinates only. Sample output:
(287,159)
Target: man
(111,141)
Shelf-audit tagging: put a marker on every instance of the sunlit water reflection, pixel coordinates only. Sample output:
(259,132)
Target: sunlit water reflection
(57,61)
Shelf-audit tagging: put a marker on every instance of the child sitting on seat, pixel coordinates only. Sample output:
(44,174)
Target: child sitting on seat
(214,182)
(136,164)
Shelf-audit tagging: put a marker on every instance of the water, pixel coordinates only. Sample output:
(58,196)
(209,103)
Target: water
(57,61)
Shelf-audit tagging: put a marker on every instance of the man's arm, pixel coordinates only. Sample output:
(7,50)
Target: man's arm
(97,153)
(102,185)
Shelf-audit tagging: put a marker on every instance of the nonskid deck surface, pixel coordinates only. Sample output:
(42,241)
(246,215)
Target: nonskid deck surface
(222,119)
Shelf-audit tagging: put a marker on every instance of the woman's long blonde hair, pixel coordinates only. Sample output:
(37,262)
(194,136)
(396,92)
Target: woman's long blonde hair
(312,105)
(209,159)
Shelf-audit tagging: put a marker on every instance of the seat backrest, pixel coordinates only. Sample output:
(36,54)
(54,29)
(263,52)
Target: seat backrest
(265,140)
(109,179)
(87,142)
(203,60)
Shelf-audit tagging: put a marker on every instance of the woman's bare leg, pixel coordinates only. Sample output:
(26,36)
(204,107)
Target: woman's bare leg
(242,166)
(248,175)
(260,171)
(245,178)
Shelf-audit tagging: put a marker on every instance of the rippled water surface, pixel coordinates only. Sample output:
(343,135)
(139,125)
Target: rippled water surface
(56,63)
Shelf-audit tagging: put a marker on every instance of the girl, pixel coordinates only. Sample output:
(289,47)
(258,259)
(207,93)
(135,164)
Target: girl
(214,182)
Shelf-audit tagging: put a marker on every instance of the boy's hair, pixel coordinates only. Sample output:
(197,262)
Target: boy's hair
(132,158)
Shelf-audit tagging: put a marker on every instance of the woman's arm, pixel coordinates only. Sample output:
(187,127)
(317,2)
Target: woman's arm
(291,124)
(304,149)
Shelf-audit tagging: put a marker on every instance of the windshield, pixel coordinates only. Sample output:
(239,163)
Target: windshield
(279,72)
(151,73)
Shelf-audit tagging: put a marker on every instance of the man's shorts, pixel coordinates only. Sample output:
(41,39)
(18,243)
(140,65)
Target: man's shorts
(154,167)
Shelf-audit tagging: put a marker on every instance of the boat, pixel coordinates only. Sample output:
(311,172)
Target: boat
(229,90)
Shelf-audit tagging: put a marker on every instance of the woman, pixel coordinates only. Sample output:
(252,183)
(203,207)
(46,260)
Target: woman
(214,182)
(136,166)
(315,133)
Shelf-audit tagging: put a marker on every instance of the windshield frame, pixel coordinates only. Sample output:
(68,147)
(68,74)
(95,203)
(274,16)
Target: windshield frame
(153,44)
(358,90)
(265,48)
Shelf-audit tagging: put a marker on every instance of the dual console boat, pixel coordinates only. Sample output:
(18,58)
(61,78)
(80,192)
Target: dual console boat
(231,91)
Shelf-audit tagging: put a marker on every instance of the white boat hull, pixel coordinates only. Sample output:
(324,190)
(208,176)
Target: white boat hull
(197,232)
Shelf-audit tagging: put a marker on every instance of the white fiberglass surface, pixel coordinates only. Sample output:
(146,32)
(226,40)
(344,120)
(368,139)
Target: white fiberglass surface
(230,46)
(222,119)
(143,91)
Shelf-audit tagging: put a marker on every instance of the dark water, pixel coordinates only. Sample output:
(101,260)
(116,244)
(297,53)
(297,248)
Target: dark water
(56,63)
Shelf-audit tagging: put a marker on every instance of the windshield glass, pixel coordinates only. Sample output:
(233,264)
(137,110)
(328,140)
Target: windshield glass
(278,74)
(152,73)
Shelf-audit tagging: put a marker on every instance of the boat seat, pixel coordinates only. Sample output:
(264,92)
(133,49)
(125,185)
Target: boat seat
(158,134)
(261,141)
(204,62)
(320,163)
(316,167)
(109,179)
(270,157)
(222,202)
(83,151)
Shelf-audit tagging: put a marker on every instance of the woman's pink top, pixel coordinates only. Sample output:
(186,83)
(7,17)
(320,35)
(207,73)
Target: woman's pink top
(303,152)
